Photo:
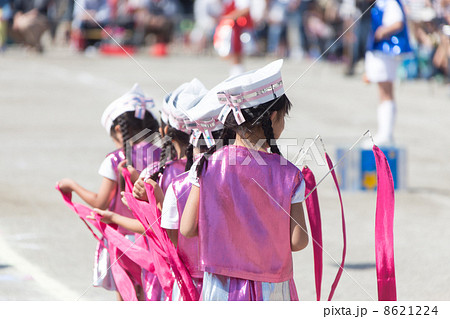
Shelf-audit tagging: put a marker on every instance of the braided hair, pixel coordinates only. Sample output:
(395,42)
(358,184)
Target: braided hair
(217,135)
(130,126)
(255,117)
(168,150)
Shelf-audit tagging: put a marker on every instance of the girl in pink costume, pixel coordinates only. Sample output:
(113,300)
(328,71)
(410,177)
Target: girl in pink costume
(123,119)
(245,202)
(174,113)
(206,129)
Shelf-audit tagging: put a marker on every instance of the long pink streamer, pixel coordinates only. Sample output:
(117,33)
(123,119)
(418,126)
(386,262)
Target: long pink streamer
(149,215)
(312,205)
(122,280)
(344,233)
(187,288)
(384,229)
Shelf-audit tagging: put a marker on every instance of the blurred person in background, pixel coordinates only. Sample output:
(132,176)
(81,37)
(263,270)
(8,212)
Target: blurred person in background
(30,21)
(234,20)
(441,59)
(318,25)
(355,40)
(5,17)
(156,18)
(206,16)
(388,41)
(277,22)
(89,16)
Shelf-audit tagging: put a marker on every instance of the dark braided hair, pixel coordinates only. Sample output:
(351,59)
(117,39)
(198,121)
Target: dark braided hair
(168,150)
(255,117)
(217,135)
(189,157)
(130,126)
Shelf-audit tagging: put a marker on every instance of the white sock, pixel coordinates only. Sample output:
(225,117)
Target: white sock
(386,122)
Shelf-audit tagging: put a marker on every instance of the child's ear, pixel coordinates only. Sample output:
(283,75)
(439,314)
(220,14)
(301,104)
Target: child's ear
(274,116)
(161,131)
(117,129)
(166,129)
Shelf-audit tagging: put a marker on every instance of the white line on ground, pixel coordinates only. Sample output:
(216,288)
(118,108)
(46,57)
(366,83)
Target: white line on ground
(49,284)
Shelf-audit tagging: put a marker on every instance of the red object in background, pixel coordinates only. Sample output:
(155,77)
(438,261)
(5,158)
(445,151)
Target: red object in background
(114,49)
(77,40)
(159,50)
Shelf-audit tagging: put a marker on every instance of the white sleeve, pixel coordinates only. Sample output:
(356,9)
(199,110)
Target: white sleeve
(392,13)
(169,214)
(143,174)
(192,176)
(299,195)
(106,169)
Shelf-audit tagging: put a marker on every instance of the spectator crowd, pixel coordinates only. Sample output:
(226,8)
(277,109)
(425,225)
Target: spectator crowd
(284,28)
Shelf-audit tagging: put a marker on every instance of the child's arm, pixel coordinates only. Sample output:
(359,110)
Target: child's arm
(299,233)
(384,32)
(189,219)
(130,224)
(99,200)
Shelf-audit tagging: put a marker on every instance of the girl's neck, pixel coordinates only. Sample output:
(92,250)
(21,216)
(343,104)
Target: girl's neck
(180,149)
(244,142)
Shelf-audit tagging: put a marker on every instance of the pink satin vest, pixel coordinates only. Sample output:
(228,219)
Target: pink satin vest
(187,247)
(172,170)
(142,154)
(244,214)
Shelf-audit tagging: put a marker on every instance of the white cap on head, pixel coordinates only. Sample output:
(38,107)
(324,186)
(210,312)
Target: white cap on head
(134,100)
(235,93)
(250,89)
(184,98)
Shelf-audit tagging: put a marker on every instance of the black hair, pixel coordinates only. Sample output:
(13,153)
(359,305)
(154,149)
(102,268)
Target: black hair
(130,126)
(255,117)
(217,135)
(168,150)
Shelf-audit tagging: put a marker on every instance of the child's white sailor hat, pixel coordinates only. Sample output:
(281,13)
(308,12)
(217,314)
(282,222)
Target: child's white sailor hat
(134,100)
(247,90)
(182,100)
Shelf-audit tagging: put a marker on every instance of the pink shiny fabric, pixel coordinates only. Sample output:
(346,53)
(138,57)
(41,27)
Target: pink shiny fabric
(315,224)
(244,221)
(164,253)
(122,278)
(384,229)
(249,290)
(187,247)
(172,170)
(144,212)
(188,290)
(143,154)
(344,233)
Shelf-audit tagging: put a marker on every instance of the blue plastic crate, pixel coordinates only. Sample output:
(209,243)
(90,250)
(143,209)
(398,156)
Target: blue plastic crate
(358,170)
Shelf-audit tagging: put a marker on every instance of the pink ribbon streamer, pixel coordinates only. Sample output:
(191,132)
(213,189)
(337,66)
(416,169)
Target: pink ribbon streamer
(315,223)
(187,288)
(344,233)
(122,280)
(165,252)
(384,229)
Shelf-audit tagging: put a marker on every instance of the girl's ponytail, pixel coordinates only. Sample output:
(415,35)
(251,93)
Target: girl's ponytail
(268,133)
(224,139)
(190,157)
(166,155)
